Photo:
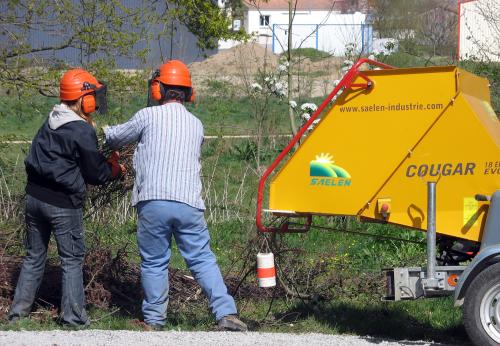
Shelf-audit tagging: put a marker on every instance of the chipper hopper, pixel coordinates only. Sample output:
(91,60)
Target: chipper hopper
(416,147)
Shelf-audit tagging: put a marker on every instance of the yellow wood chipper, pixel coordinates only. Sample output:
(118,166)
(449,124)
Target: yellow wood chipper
(415,147)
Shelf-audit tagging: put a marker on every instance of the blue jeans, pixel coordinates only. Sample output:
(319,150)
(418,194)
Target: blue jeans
(158,221)
(67,226)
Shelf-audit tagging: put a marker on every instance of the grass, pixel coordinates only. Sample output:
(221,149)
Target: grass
(311,53)
(432,320)
(365,317)
(219,115)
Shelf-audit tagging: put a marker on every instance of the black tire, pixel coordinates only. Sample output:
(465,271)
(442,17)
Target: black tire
(485,287)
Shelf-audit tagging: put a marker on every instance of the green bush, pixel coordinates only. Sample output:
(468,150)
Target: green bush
(311,53)
(403,59)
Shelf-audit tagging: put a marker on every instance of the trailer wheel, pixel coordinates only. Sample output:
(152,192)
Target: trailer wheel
(482,307)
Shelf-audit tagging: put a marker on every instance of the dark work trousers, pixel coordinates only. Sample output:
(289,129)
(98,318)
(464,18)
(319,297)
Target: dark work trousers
(67,226)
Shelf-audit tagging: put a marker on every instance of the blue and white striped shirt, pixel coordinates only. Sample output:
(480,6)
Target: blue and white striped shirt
(167,158)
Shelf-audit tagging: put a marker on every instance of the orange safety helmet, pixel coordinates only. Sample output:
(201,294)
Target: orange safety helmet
(78,83)
(173,73)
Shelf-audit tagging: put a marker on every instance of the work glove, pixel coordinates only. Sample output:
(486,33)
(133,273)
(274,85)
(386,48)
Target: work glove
(117,169)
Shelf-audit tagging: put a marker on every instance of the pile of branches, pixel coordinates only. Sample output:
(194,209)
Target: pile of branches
(110,282)
(8,265)
(103,196)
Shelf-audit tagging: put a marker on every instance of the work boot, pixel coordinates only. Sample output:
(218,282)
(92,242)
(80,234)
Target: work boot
(148,327)
(14,320)
(232,323)
(155,327)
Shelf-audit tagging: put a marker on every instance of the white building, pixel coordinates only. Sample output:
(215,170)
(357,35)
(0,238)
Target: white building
(319,24)
(479,30)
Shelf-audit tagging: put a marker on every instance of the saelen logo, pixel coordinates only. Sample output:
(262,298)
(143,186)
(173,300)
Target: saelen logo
(331,175)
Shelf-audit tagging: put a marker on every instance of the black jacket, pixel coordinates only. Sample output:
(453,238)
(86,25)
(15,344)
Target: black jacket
(63,158)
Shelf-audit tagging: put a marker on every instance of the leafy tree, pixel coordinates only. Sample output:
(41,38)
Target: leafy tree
(100,31)
(206,21)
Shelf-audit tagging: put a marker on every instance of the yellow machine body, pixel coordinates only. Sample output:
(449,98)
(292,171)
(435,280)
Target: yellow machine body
(374,151)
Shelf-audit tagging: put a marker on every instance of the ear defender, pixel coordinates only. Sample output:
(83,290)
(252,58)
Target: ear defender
(88,104)
(191,96)
(156,90)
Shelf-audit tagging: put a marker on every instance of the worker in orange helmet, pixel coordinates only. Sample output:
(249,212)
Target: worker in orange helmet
(167,195)
(63,158)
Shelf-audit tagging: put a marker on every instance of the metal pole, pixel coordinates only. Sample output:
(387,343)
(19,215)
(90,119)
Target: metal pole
(317,36)
(431,230)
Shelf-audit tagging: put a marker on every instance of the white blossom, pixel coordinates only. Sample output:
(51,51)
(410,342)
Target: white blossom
(309,107)
(347,63)
(270,81)
(336,82)
(256,87)
(282,68)
(283,61)
(372,57)
(292,104)
(305,116)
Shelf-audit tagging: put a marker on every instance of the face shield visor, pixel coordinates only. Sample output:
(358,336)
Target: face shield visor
(101,99)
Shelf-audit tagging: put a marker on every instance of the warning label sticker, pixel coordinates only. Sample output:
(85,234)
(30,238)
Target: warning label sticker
(471,215)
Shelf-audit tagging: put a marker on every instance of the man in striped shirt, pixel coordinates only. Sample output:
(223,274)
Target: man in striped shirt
(167,195)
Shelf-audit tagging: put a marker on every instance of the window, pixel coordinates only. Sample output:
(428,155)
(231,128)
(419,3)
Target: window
(264,20)
(236,24)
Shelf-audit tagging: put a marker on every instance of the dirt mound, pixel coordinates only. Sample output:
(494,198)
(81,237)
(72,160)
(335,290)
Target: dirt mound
(240,65)
(244,58)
